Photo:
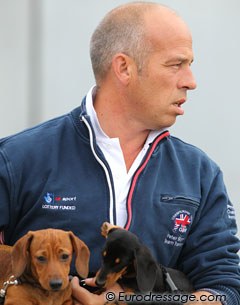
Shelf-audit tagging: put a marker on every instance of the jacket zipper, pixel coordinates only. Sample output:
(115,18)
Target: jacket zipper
(190,200)
(137,174)
(111,193)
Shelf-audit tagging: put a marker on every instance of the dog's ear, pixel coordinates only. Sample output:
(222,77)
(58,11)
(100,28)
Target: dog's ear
(20,254)
(82,254)
(107,227)
(146,269)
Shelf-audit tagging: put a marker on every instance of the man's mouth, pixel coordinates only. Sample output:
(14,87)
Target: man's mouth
(178,104)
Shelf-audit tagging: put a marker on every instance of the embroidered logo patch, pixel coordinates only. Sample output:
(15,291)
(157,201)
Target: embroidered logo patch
(52,202)
(182,220)
(49,198)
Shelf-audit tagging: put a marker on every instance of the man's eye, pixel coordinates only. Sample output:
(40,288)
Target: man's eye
(177,65)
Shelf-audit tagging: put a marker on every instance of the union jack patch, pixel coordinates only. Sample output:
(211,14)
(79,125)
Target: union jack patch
(181,220)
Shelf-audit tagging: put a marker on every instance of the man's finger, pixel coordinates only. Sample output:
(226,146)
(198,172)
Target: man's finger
(90,282)
(83,296)
(78,292)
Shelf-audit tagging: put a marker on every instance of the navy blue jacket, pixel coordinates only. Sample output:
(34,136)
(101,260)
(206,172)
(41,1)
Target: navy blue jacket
(55,175)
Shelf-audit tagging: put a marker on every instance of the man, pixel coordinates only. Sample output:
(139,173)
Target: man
(113,159)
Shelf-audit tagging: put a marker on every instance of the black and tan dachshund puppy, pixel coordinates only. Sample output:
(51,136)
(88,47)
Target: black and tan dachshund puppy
(128,261)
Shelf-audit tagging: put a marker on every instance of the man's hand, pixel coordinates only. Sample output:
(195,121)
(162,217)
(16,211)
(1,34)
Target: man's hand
(83,297)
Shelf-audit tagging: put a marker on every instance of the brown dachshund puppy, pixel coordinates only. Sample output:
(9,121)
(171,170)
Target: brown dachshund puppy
(40,261)
(126,260)
(5,263)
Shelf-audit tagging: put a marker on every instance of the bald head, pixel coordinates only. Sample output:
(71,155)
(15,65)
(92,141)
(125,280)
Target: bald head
(130,29)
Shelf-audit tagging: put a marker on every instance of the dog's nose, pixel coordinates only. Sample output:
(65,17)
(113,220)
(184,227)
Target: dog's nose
(100,282)
(55,284)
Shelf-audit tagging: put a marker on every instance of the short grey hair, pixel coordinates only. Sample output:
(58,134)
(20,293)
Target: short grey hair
(122,30)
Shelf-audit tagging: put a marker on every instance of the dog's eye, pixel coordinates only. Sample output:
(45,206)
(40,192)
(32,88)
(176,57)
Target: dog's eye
(41,259)
(64,257)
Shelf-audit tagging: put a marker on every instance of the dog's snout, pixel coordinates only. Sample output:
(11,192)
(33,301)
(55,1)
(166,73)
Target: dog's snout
(56,284)
(100,283)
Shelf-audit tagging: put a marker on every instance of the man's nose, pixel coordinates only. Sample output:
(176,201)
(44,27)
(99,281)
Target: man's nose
(187,80)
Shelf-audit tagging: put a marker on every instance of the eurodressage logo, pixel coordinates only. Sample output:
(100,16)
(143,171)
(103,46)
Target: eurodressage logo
(53,202)
(181,220)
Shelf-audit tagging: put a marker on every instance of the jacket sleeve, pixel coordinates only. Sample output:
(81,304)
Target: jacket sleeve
(210,255)
(5,194)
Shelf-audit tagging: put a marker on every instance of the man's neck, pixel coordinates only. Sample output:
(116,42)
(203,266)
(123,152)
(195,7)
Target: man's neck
(116,123)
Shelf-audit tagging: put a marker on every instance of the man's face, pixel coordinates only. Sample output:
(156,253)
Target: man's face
(161,87)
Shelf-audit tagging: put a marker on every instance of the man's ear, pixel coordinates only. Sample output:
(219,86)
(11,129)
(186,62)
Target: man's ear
(123,67)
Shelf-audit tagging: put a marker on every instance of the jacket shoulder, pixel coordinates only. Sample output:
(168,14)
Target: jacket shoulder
(191,153)
(185,146)
(36,134)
